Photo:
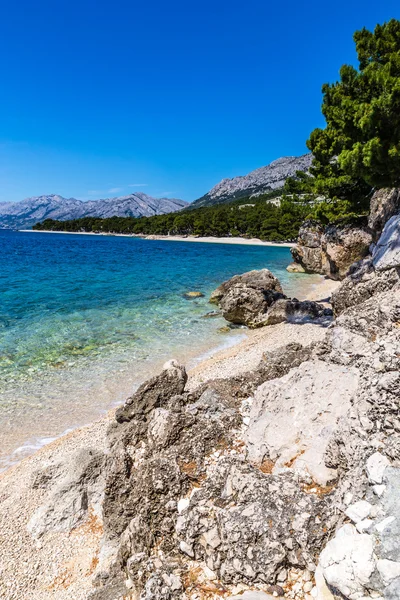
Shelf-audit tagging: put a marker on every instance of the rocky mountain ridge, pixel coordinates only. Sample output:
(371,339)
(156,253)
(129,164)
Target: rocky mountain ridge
(24,214)
(262,180)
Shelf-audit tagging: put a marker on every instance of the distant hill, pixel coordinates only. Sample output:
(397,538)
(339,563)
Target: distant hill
(260,181)
(24,214)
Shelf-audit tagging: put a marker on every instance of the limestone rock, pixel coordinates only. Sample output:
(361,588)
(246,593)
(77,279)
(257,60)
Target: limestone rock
(247,525)
(384,204)
(245,299)
(295,268)
(386,254)
(72,497)
(155,392)
(341,247)
(260,280)
(376,465)
(294,311)
(330,251)
(292,418)
(347,562)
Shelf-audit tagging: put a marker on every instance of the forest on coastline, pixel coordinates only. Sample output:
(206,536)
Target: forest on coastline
(356,153)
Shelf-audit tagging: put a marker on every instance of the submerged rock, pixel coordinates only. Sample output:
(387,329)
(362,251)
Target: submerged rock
(295,268)
(192,295)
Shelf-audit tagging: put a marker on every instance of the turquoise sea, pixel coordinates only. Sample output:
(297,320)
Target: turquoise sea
(84,319)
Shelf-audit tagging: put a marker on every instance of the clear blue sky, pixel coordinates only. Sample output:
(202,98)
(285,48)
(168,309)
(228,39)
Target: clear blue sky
(103,98)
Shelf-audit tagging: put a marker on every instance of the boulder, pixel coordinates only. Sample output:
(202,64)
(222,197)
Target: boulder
(245,299)
(348,562)
(330,251)
(384,204)
(293,418)
(79,491)
(341,247)
(295,311)
(260,280)
(309,259)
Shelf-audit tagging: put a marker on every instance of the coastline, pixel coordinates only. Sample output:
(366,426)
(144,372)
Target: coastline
(242,351)
(206,361)
(177,238)
(73,554)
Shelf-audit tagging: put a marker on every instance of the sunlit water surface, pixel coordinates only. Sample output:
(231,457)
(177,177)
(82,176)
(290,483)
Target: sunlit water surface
(85,319)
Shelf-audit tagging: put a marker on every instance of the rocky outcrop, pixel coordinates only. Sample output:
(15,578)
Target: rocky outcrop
(330,251)
(377,273)
(256,299)
(384,204)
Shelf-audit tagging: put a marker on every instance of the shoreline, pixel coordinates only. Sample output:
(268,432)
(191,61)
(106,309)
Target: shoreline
(176,238)
(29,487)
(220,360)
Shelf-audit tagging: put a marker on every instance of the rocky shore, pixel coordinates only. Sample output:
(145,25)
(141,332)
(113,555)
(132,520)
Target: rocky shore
(270,471)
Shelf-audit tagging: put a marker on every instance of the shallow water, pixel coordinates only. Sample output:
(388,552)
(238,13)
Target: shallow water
(84,319)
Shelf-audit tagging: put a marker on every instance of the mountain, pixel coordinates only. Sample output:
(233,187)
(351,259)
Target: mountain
(260,181)
(24,214)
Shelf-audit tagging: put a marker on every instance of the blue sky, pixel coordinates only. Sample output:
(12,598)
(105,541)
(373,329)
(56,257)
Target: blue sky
(104,98)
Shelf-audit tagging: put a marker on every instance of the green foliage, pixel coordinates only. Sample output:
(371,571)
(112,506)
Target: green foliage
(260,219)
(360,147)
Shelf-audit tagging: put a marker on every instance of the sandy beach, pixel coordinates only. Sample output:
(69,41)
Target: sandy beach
(178,238)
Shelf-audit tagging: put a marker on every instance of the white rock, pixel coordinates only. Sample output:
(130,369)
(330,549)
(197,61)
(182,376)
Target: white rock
(364,525)
(186,549)
(347,561)
(358,511)
(183,503)
(376,465)
(386,253)
(321,590)
(383,524)
(293,417)
(388,570)
(378,489)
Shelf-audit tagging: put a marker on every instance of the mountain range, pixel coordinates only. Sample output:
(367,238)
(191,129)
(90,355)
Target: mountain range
(260,181)
(24,214)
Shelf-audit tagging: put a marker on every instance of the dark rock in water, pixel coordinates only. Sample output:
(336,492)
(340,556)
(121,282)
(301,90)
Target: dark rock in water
(212,314)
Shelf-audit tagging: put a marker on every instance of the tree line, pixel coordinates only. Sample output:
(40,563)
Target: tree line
(260,219)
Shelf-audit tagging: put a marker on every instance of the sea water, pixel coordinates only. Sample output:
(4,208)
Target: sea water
(84,319)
